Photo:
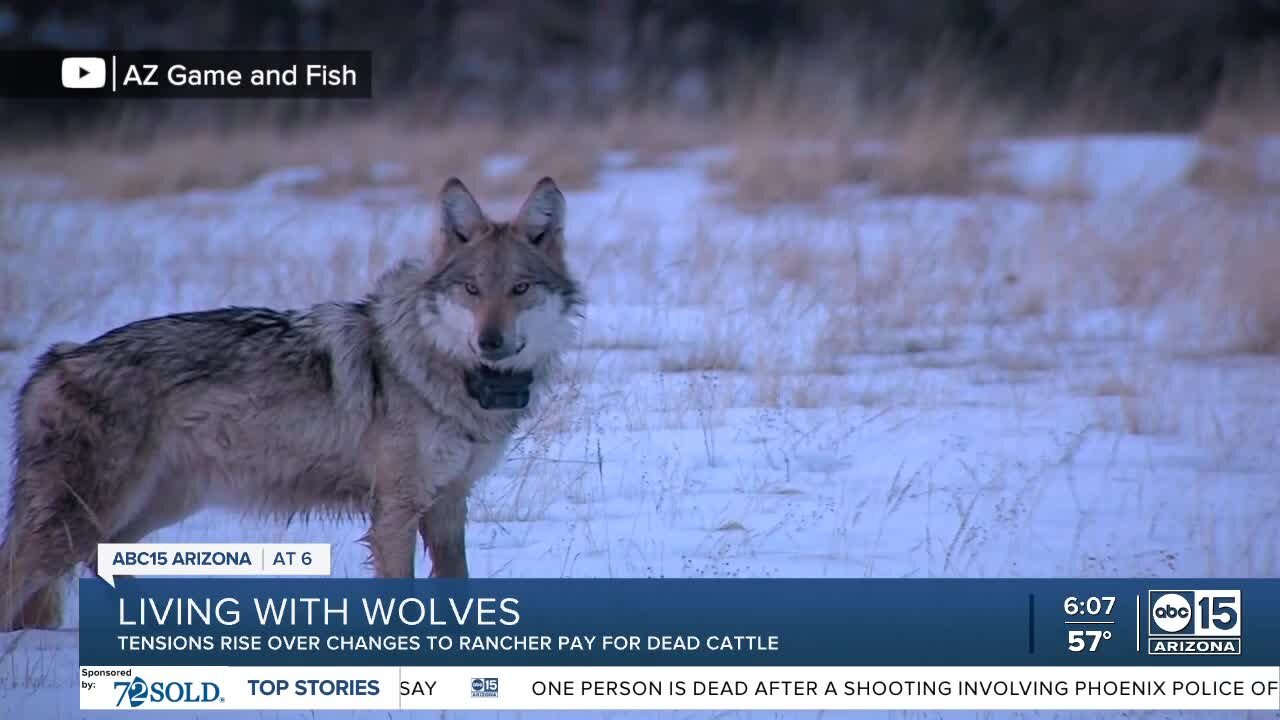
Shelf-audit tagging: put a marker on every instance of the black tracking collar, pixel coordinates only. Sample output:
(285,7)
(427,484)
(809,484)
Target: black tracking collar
(499,389)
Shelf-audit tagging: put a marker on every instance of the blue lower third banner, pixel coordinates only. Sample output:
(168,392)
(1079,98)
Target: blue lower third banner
(572,644)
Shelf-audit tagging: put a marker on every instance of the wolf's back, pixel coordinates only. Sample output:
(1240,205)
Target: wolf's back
(228,347)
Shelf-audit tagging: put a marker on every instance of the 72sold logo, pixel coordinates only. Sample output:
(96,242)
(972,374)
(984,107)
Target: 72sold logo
(1193,622)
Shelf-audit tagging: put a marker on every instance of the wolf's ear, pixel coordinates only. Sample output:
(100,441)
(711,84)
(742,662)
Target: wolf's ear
(460,214)
(541,218)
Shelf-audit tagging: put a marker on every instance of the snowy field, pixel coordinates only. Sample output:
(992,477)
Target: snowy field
(1078,378)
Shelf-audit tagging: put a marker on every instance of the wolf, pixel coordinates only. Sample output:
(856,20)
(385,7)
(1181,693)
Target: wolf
(390,407)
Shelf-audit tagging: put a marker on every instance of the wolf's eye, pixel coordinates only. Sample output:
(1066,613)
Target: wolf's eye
(520,288)
(471,288)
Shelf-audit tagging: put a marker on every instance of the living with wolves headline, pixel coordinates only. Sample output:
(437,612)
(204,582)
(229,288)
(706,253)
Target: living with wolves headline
(320,643)
(712,622)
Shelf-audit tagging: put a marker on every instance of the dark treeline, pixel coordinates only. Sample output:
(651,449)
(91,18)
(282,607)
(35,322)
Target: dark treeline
(1164,60)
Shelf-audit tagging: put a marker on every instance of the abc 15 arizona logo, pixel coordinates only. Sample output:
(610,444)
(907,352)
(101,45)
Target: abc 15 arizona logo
(1193,622)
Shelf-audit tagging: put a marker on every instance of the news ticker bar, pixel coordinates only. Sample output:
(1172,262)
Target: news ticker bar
(100,74)
(673,622)
(680,688)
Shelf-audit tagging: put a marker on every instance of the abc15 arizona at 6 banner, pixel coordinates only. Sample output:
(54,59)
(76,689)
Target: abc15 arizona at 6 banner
(1194,622)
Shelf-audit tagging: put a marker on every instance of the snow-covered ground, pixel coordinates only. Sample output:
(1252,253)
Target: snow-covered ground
(1014,386)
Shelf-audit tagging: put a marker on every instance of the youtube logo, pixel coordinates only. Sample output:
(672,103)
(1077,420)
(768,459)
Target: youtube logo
(84,73)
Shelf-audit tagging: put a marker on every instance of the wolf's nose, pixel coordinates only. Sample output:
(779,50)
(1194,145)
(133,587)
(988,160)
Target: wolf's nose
(491,341)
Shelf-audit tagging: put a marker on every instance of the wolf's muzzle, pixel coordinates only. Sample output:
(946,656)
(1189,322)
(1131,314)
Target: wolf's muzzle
(499,389)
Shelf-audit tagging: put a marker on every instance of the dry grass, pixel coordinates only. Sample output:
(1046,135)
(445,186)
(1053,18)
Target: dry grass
(933,143)
(1202,271)
(942,149)
(1246,111)
(1209,270)
(1141,406)
(1228,161)
(378,151)
(776,389)
(768,168)
(1247,299)
(1229,171)
(720,353)
(652,136)
(1188,276)
(391,148)
(1240,246)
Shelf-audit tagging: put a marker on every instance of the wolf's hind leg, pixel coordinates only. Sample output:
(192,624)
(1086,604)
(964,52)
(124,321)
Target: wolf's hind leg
(390,538)
(23,603)
(444,531)
(58,494)
(52,527)
(35,559)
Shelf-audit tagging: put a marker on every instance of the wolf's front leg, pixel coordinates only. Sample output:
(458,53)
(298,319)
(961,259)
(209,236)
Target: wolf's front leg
(390,538)
(444,531)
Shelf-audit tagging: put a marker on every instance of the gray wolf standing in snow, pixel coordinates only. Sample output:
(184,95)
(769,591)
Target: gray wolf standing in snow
(392,406)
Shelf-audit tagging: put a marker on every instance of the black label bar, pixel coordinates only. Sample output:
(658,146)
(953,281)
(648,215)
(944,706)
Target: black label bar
(187,74)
